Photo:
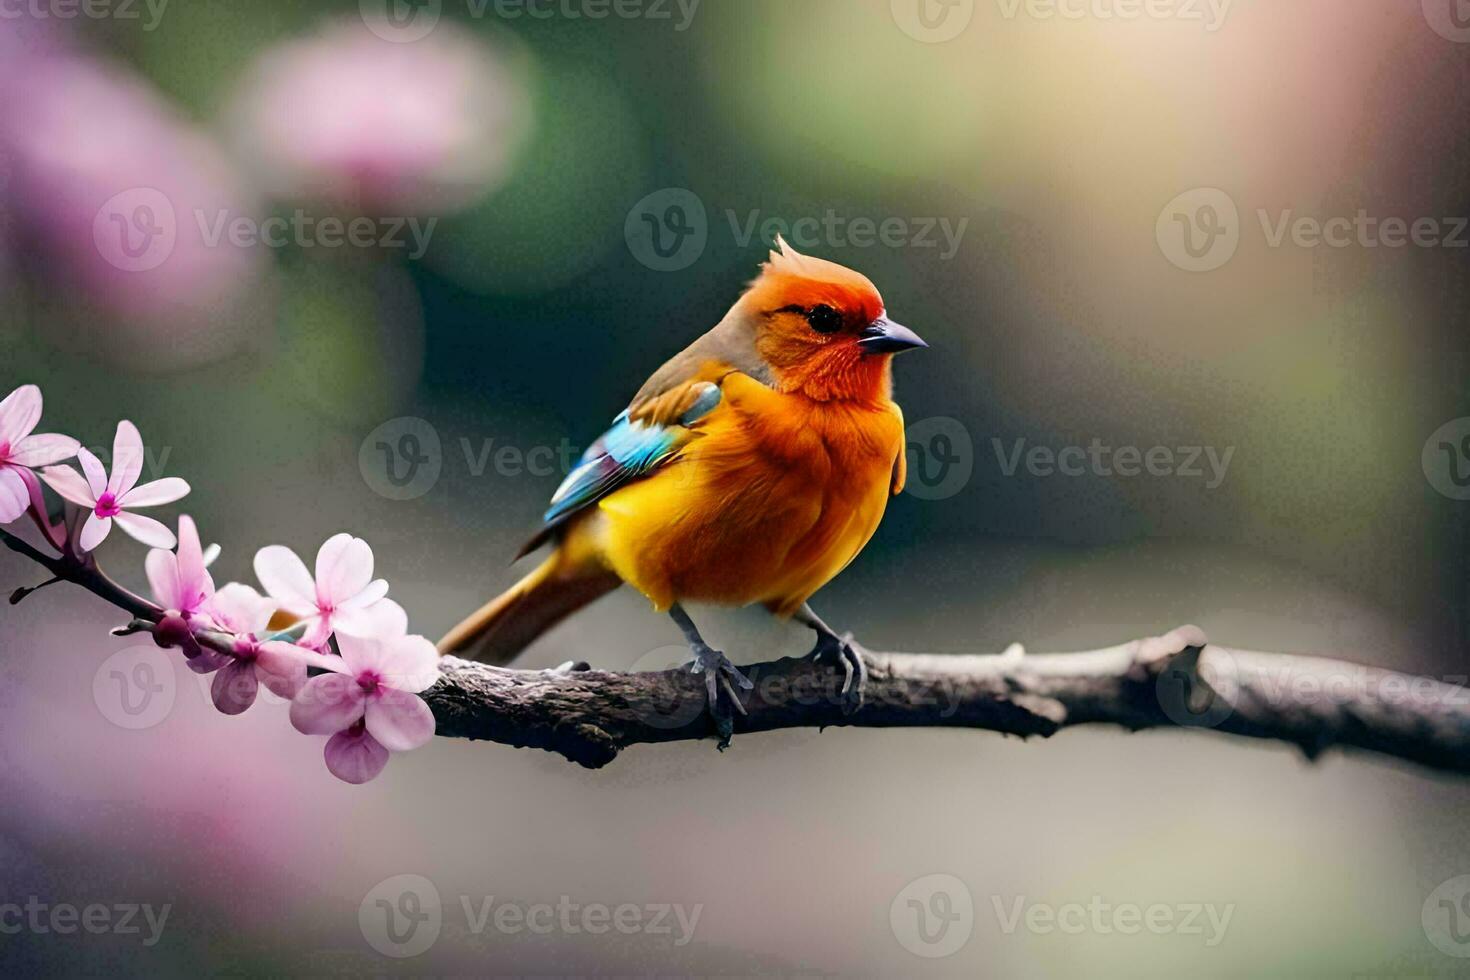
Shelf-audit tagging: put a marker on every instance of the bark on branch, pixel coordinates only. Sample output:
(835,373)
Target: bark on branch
(1179,679)
(1175,680)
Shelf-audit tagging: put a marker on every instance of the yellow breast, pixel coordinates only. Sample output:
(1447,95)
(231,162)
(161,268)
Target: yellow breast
(767,505)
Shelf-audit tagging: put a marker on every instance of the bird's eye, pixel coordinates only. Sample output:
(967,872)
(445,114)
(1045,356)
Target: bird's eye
(824,319)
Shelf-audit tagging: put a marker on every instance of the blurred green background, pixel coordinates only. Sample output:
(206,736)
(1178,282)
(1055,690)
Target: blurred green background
(1054,148)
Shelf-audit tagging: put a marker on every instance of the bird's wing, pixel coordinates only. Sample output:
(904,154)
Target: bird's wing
(656,424)
(901,461)
(638,442)
(730,344)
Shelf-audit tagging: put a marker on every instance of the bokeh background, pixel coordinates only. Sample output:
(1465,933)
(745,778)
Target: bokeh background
(592,183)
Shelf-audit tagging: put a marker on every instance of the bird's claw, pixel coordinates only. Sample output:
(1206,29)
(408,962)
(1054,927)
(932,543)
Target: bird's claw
(849,655)
(719,673)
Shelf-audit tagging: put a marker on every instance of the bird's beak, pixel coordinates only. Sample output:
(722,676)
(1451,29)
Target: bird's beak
(883,336)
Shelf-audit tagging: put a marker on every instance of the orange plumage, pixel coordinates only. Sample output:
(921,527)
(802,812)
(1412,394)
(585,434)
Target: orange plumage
(752,467)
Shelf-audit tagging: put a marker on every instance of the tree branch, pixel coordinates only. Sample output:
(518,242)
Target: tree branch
(1177,680)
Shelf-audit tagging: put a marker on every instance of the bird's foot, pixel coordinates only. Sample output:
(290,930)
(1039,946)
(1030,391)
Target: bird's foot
(849,656)
(719,676)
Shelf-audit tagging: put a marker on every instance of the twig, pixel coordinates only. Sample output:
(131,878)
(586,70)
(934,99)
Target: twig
(1175,680)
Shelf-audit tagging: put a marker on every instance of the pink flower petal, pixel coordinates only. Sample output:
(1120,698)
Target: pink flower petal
(127,458)
(206,661)
(92,468)
(355,757)
(286,579)
(162,567)
(326,704)
(279,655)
(238,608)
(164,491)
(19,413)
(69,483)
(145,529)
(412,664)
(375,590)
(344,567)
(41,450)
(14,498)
(94,531)
(318,631)
(235,687)
(384,618)
(195,584)
(362,654)
(399,720)
(280,671)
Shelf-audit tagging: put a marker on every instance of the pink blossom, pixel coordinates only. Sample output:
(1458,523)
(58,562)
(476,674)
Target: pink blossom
(344,598)
(368,702)
(347,116)
(20,450)
(240,610)
(108,179)
(180,582)
(112,498)
(182,586)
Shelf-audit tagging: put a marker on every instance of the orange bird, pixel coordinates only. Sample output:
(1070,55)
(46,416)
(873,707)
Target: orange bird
(751,467)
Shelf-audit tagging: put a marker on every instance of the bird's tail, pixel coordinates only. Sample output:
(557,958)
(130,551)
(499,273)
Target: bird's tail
(507,624)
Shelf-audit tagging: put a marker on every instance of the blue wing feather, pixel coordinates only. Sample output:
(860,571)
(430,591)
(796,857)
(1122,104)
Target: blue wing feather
(626,451)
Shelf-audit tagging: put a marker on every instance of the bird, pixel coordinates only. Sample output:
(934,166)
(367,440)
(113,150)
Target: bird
(751,467)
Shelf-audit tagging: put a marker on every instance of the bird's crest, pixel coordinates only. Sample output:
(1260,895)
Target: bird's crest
(807,280)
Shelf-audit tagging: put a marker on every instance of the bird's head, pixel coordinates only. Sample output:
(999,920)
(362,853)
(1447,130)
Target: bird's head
(822,328)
